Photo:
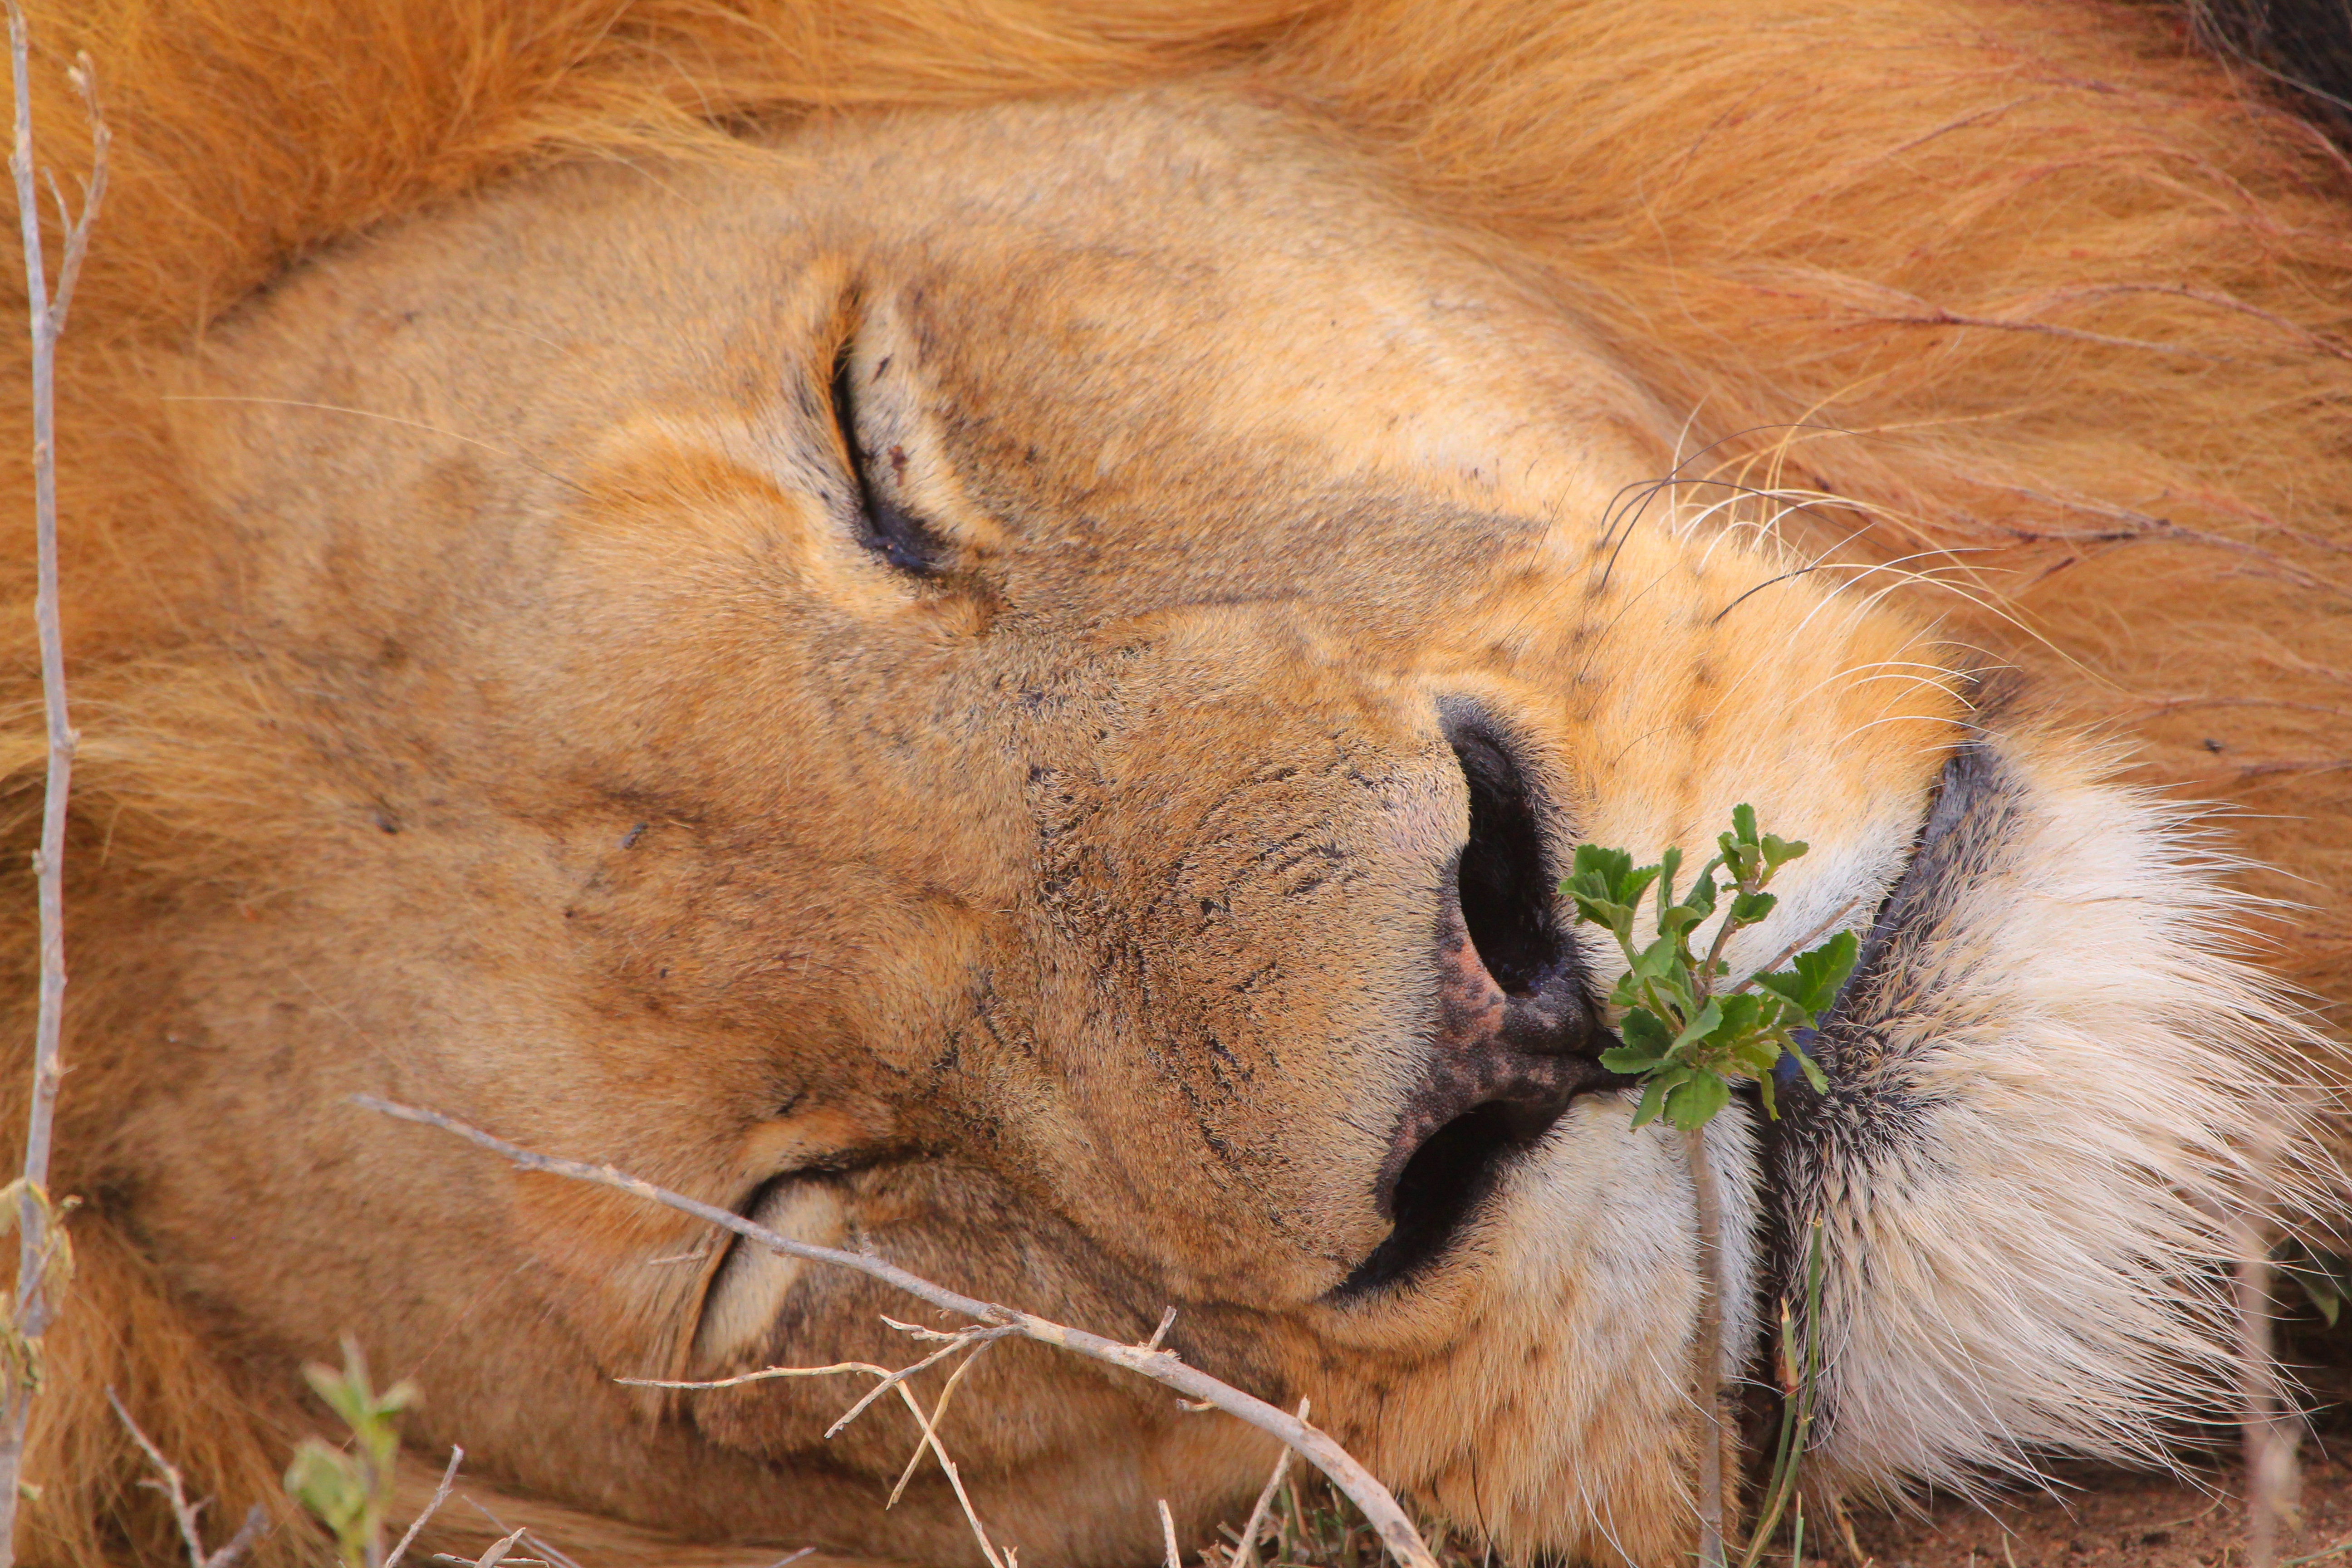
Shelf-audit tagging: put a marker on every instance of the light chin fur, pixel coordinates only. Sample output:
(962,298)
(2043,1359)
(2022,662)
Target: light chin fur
(2056,1119)
(1593,1323)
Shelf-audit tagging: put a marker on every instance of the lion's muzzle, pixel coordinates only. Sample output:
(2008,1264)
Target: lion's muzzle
(1519,1032)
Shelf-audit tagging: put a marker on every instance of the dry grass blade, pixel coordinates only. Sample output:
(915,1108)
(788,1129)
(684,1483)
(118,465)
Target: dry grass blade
(496,1552)
(538,1544)
(1388,1519)
(1168,1535)
(1008,1558)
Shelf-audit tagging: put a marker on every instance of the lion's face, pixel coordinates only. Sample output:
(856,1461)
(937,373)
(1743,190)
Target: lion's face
(1013,688)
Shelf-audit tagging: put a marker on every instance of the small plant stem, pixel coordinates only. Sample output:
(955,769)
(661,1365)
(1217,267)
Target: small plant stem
(1792,951)
(1723,934)
(1707,1353)
(2268,1438)
(1797,1408)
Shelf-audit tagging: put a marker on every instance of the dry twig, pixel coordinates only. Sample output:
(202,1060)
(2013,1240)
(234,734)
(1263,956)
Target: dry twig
(440,1496)
(256,1518)
(36,1247)
(977,1338)
(1245,1547)
(1378,1505)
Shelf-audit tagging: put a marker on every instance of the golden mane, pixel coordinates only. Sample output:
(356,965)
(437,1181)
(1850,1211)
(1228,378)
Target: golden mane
(2027,285)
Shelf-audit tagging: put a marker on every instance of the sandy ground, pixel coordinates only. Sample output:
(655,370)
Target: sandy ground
(2110,1520)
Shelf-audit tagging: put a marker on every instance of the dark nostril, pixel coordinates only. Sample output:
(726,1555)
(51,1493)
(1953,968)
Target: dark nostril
(1507,902)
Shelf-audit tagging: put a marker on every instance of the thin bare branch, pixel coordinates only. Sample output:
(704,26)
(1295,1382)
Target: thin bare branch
(183,1512)
(1245,1548)
(890,1379)
(768,1372)
(35,1304)
(84,75)
(1380,1507)
(1168,1535)
(1008,1558)
(255,1526)
(440,1496)
(932,1423)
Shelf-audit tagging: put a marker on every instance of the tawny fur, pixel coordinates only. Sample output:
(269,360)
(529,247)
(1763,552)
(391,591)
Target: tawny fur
(2052,305)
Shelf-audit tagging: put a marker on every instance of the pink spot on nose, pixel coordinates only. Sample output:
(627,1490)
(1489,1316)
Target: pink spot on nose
(1470,1006)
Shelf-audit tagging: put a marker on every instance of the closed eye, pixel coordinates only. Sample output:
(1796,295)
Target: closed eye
(885,528)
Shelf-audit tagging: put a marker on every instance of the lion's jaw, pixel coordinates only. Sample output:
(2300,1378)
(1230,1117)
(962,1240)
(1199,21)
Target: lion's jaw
(1065,917)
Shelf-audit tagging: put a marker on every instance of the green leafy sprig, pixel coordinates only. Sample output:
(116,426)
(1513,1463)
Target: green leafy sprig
(349,1489)
(1688,1036)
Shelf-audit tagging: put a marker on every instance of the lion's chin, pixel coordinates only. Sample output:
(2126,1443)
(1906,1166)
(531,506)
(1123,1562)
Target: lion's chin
(1553,1412)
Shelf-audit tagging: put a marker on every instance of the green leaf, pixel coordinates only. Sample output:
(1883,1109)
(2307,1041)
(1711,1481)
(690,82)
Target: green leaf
(1778,851)
(1764,1093)
(1709,1019)
(1743,824)
(1610,865)
(1749,907)
(1693,1104)
(1645,1031)
(1659,958)
(1629,1058)
(1811,1069)
(1612,873)
(1702,894)
(2325,1279)
(1743,1014)
(1810,982)
(327,1484)
(1654,1095)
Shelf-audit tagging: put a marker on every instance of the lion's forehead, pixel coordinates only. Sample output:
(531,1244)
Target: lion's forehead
(1147,367)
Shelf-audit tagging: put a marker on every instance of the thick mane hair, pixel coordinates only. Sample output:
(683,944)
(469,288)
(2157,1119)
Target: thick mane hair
(2055,305)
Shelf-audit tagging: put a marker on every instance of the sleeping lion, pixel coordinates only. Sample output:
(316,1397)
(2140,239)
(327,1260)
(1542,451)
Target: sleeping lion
(982,632)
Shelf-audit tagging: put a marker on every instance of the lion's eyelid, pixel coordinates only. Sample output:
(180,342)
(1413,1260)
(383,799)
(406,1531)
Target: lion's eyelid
(888,530)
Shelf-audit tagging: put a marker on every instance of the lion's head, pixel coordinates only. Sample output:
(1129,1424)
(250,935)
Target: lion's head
(1011,684)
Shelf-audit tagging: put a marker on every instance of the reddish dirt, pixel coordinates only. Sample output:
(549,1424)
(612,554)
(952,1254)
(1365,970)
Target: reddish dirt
(2105,1519)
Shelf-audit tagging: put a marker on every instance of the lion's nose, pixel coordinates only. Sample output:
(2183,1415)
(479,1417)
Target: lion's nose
(1516,1033)
(1508,983)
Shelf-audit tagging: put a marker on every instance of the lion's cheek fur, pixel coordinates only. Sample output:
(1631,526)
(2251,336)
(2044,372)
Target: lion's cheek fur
(2058,1105)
